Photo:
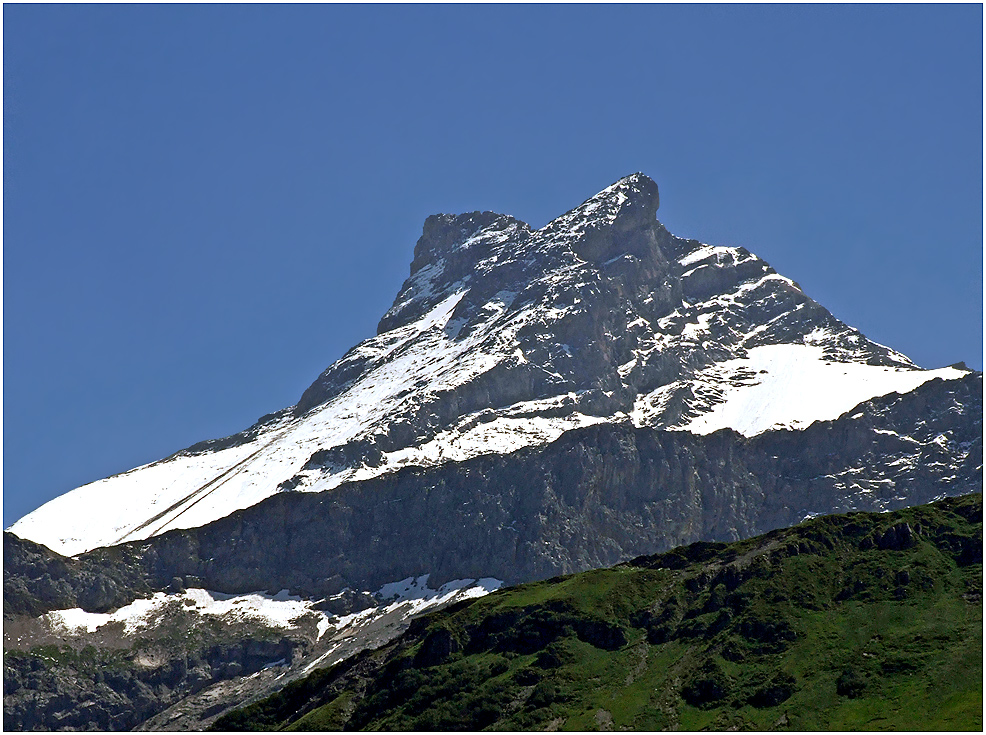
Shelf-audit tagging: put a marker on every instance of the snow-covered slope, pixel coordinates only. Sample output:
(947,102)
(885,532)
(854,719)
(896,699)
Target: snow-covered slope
(784,386)
(505,337)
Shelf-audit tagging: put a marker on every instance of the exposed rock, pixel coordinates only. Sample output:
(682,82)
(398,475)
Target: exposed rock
(102,690)
(36,579)
(898,537)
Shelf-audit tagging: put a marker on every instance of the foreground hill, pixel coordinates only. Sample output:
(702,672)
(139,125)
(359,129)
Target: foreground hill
(858,621)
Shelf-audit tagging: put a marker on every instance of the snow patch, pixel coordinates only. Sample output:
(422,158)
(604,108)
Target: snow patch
(190,491)
(416,588)
(706,252)
(277,611)
(404,599)
(795,386)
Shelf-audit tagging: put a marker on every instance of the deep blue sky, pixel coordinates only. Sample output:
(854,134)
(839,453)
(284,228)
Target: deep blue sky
(204,206)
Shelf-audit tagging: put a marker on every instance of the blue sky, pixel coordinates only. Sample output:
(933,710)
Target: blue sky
(206,205)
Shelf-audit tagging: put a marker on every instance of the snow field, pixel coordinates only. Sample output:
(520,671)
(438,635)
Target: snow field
(786,386)
(406,598)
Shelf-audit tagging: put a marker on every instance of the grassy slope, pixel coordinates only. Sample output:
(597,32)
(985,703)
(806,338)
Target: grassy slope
(862,621)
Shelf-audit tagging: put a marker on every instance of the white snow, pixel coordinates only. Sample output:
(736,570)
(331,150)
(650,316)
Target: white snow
(279,611)
(127,500)
(626,367)
(793,386)
(707,252)
(398,599)
(186,492)
(695,331)
(416,588)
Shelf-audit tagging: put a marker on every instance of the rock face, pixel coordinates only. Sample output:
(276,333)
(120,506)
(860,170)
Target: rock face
(535,402)
(36,579)
(593,498)
(111,689)
(178,659)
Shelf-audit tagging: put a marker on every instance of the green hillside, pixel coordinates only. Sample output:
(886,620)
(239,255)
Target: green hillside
(863,621)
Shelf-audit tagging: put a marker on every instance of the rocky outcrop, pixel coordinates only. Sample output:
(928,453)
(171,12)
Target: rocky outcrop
(36,579)
(61,688)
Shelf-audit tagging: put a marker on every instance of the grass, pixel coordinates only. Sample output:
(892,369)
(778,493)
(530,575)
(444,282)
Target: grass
(328,717)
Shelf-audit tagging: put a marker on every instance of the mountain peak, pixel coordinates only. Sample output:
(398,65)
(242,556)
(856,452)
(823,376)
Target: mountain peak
(619,219)
(633,198)
(465,239)
(636,191)
(444,234)
(452,249)
(504,337)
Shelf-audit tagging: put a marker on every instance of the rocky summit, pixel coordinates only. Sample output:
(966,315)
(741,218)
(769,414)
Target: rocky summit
(535,402)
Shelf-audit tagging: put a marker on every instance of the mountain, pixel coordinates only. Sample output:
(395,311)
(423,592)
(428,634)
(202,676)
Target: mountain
(535,403)
(504,337)
(859,622)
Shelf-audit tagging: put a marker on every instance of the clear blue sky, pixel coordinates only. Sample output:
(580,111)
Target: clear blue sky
(206,205)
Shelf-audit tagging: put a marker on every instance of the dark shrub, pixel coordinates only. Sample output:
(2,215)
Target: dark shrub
(850,684)
(709,685)
(436,648)
(780,687)
(545,693)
